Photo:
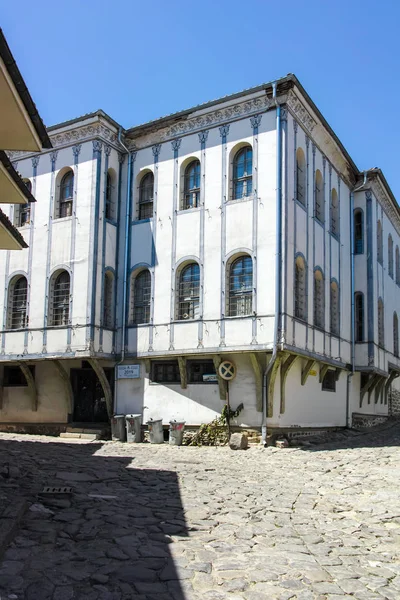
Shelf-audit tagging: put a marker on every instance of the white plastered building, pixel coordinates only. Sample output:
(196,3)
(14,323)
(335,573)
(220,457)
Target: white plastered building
(238,230)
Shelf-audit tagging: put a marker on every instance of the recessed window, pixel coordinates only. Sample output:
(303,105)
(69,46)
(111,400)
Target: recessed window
(17,304)
(379,242)
(146,196)
(301,176)
(390,256)
(189,292)
(241,287)
(108,300)
(397,266)
(66,195)
(300,295)
(22,212)
(358,232)
(334,213)
(319,208)
(165,371)
(359,316)
(319,299)
(335,312)
(141,294)
(110,193)
(191,194)
(329,381)
(60,299)
(395,335)
(201,371)
(381,324)
(14,377)
(243,173)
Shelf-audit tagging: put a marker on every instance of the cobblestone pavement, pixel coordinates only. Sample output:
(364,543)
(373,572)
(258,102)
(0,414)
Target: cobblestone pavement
(158,522)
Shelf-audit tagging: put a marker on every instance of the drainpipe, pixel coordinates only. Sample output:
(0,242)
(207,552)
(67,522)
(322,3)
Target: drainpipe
(352,288)
(127,225)
(278,266)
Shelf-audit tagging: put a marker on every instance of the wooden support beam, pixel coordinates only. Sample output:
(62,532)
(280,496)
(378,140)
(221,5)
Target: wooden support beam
(370,381)
(217,360)
(322,372)
(31,384)
(306,370)
(69,394)
(98,369)
(271,382)
(378,388)
(373,385)
(285,368)
(147,365)
(338,371)
(182,371)
(258,374)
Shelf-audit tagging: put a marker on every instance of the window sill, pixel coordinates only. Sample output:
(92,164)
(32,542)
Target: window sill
(136,325)
(229,317)
(58,326)
(303,206)
(24,226)
(319,328)
(178,321)
(322,223)
(236,200)
(62,219)
(111,222)
(139,221)
(335,236)
(301,321)
(326,390)
(183,211)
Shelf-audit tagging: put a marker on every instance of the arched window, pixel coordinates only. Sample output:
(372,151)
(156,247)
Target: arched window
(108,300)
(381,323)
(300,289)
(22,212)
(301,176)
(319,210)
(240,287)
(397,266)
(358,232)
(319,299)
(191,192)
(189,292)
(395,335)
(390,256)
(243,173)
(141,297)
(59,299)
(359,316)
(110,204)
(66,195)
(379,243)
(17,303)
(334,308)
(334,213)
(146,195)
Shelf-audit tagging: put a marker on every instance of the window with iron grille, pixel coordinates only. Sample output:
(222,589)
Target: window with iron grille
(329,381)
(243,173)
(189,292)
(14,377)
(165,371)
(359,316)
(335,312)
(141,297)
(319,300)
(146,195)
(201,371)
(60,299)
(319,210)
(17,317)
(358,232)
(381,324)
(241,287)
(334,226)
(379,242)
(22,212)
(390,256)
(300,176)
(300,292)
(395,335)
(397,266)
(109,197)
(191,193)
(66,195)
(108,305)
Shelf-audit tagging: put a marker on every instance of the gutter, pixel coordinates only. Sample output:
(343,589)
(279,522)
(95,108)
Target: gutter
(278,265)
(126,249)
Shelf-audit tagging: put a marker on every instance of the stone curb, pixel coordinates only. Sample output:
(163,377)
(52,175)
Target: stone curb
(9,523)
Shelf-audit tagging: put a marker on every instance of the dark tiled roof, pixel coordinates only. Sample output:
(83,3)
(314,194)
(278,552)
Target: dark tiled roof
(15,177)
(23,91)
(4,220)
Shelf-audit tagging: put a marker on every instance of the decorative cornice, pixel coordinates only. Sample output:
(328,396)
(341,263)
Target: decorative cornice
(107,149)
(300,111)
(35,161)
(76,150)
(156,150)
(223,131)
(203,135)
(176,144)
(97,146)
(255,121)
(386,203)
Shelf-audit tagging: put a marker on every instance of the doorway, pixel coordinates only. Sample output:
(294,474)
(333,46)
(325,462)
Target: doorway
(89,401)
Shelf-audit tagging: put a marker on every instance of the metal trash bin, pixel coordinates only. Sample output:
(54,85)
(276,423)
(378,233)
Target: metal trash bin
(133,428)
(156,431)
(176,429)
(118,431)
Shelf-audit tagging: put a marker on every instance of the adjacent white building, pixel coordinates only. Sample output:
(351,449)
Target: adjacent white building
(240,229)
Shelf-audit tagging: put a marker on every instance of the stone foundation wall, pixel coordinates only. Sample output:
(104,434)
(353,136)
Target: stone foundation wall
(394,403)
(360,421)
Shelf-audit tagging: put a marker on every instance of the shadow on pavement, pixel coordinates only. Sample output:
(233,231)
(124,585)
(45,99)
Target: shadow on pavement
(109,539)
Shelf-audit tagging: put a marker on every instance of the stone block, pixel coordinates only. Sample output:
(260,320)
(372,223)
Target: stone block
(238,441)
(281,444)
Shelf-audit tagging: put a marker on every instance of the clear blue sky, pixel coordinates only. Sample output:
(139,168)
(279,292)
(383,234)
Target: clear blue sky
(142,60)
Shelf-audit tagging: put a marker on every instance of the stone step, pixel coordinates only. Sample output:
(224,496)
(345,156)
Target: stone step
(91,437)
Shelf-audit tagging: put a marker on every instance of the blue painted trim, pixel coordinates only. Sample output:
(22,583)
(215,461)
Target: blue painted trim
(307,223)
(313,147)
(224,131)
(121,158)
(175,147)
(132,203)
(330,254)
(107,152)
(76,151)
(139,222)
(53,159)
(97,151)
(35,163)
(255,122)
(156,153)
(370,279)
(203,136)
(295,130)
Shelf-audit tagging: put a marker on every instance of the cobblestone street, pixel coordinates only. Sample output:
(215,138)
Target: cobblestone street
(149,522)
